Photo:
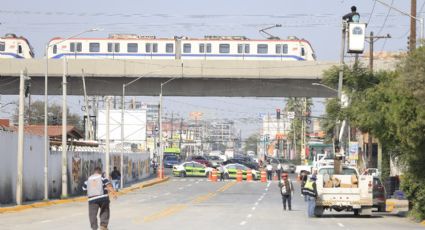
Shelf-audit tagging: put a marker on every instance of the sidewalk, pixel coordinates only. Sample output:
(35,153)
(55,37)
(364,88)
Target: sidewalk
(147,182)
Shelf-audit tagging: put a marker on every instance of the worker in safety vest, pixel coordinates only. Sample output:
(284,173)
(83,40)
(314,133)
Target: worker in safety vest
(310,191)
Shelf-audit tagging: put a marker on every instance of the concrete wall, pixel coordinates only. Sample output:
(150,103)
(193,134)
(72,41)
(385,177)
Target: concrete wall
(33,167)
(80,166)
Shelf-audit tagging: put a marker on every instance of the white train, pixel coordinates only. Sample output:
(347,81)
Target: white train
(12,46)
(124,46)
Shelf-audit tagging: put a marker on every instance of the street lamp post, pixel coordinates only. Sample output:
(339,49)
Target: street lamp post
(122,124)
(161,146)
(46,139)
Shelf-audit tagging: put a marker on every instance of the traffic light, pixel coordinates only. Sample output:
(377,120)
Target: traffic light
(408,43)
(277,113)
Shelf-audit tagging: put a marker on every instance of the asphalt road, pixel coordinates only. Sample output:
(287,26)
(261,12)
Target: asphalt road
(195,203)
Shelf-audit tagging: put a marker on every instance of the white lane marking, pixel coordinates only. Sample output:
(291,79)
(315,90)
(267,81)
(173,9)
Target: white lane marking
(341,225)
(192,179)
(141,200)
(243,223)
(167,194)
(259,199)
(183,179)
(181,188)
(189,185)
(249,216)
(256,203)
(267,189)
(253,208)
(197,182)
(45,221)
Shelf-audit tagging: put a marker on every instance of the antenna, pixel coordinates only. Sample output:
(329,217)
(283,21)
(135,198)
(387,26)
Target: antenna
(270,36)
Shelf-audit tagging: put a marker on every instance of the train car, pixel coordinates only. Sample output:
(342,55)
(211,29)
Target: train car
(12,46)
(208,48)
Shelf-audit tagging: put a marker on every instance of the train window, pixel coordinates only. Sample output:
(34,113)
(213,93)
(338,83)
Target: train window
(148,47)
(240,48)
(302,52)
(201,48)
(75,46)
(262,48)
(208,47)
(19,49)
(278,48)
(224,48)
(132,47)
(94,47)
(247,48)
(285,48)
(169,48)
(2,46)
(55,49)
(187,48)
(113,47)
(155,47)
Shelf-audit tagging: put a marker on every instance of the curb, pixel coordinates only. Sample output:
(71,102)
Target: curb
(423,223)
(41,204)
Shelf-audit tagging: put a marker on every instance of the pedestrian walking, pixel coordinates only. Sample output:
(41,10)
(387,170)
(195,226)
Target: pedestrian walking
(116,178)
(98,189)
(279,170)
(221,170)
(269,169)
(286,190)
(310,191)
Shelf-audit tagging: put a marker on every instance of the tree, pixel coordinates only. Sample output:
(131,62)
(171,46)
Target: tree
(34,115)
(251,143)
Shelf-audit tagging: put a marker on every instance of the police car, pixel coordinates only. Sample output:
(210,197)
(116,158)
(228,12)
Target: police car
(232,169)
(191,168)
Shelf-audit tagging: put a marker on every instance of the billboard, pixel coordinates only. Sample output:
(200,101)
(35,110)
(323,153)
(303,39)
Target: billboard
(134,125)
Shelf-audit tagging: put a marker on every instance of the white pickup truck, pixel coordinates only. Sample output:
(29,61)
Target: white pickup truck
(347,191)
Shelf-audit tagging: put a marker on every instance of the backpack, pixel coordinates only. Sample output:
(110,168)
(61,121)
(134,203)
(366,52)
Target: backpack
(95,186)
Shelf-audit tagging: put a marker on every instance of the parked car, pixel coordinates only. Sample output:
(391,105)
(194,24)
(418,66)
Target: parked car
(379,194)
(200,159)
(214,160)
(243,161)
(230,171)
(287,166)
(170,160)
(191,168)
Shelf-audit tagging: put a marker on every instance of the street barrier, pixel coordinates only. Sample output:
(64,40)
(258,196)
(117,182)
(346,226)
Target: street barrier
(263,176)
(239,175)
(214,175)
(249,175)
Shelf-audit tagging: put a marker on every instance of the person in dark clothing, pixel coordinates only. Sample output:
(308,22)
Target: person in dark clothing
(353,16)
(98,189)
(286,190)
(310,190)
(116,177)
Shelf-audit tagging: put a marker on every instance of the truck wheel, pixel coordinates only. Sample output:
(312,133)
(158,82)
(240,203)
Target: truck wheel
(318,211)
(356,212)
(182,174)
(381,208)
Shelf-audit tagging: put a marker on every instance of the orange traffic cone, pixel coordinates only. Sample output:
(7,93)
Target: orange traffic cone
(263,176)
(249,175)
(214,175)
(239,176)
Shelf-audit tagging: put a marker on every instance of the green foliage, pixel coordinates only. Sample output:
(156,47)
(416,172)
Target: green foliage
(390,106)
(252,142)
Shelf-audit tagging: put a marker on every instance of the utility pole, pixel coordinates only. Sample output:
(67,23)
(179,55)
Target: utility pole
(372,40)
(20,156)
(413,26)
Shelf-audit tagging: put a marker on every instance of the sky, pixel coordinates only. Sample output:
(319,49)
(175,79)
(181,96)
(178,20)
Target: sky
(317,21)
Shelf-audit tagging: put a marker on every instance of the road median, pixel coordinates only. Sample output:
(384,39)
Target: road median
(41,204)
